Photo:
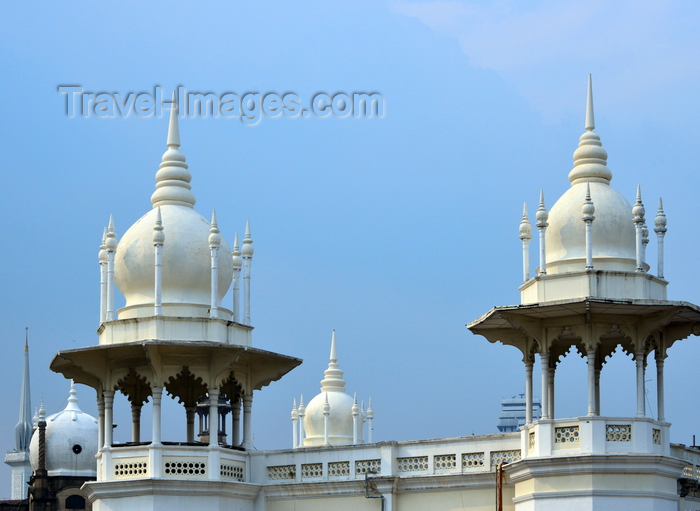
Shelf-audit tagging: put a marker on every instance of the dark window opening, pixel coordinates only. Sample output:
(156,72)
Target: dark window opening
(75,501)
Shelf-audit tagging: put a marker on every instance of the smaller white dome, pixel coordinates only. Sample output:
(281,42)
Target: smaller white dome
(71,442)
(338,404)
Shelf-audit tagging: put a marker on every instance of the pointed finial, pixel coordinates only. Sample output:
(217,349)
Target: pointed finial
(26,338)
(173,178)
(542,214)
(590,159)
(35,419)
(370,410)
(295,411)
(590,120)
(174,126)
(214,236)
(638,209)
(302,408)
(588,206)
(42,410)
(111,237)
(660,219)
(355,407)
(247,242)
(326,404)
(237,261)
(334,351)
(158,234)
(525,226)
(102,256)
(333,376)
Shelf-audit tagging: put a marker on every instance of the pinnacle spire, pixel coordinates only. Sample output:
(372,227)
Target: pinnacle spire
(173,178)
(174,126)
(590,119)
(333,381)
(23,429)
(590,159)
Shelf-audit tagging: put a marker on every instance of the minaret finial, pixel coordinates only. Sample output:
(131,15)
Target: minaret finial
(174,126)
(590,159)
(173,178)
(333,381)
(590,119)
(23,429)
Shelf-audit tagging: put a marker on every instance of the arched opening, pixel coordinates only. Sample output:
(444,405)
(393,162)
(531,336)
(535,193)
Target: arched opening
(75,502)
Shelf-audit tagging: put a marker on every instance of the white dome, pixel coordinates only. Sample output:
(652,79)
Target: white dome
(71,442)
(339,419)
(612,231)
(340,405)
(186,262)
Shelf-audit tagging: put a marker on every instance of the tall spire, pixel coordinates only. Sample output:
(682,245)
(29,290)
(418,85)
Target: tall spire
(23,429)
(333,381)
(173,178)
(590,119)
(590,159)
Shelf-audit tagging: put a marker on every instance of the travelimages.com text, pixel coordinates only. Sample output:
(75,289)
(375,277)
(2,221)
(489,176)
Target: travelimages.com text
(248,108)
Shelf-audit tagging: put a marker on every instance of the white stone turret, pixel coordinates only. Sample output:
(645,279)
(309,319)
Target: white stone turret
(526,236)
(602,258)
(332,417)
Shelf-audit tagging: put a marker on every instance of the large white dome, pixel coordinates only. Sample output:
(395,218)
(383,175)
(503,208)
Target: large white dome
(186,262)
(71,442)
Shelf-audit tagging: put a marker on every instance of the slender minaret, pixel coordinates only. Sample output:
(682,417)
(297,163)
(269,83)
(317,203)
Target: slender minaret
(247,260)
(542,216)
(214,243)
(638,214)
(158,242)
(103,258)
(355,420)
(237,265)
(525,236)
(370,418)
(660,230)
(111,245)
(588,210)
(18,458)
(302,414)
(295,425)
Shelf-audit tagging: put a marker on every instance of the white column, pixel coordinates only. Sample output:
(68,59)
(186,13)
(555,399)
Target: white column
(660,387)
(355,421)
(100,420)
(190,412)
(638,214)
(214,242)
(591,381)
(528,392)
(237,264)
(588,210)
(302,414)
(247,260)
(525,236)
(135,423)
(103,258)
(111,244)
(295,425)
(370,418)
(542,215)
(158,240)
(326,414)
(551,388)
(597,390)
(247,422)
(639,359)
(544,361)
(660,230)
(109,403)
(236,420)
(213,417)
(157,395)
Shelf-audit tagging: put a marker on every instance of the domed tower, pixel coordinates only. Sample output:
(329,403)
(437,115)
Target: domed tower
(331,417)
(174,268)
(592,293)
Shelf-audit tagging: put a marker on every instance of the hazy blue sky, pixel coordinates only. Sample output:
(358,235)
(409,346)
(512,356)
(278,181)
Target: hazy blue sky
(395,231)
